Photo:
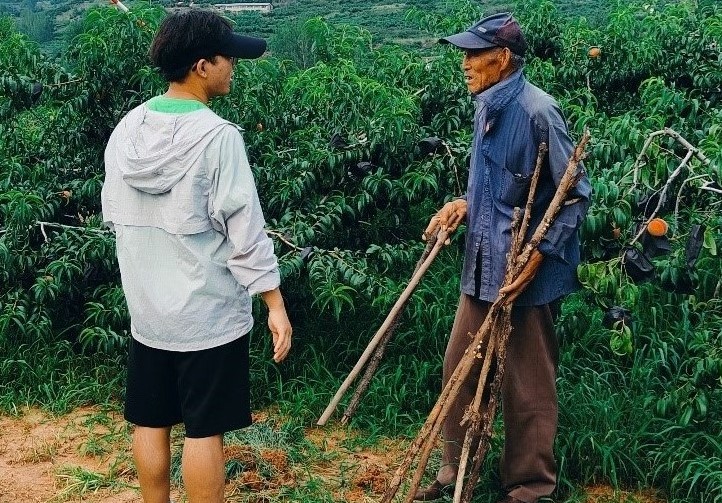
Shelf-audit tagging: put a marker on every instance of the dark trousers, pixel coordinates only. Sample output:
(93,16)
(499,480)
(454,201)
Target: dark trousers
(529,399)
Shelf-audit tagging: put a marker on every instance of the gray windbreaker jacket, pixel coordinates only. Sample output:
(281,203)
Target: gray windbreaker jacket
(189,227)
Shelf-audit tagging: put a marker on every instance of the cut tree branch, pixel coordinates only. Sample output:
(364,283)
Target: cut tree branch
(380,349)
(413,283)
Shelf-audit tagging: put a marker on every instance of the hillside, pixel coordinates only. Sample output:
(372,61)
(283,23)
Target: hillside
(52,24)
(387,20)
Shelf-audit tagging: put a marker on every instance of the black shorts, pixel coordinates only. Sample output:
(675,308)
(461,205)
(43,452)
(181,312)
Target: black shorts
(207,390)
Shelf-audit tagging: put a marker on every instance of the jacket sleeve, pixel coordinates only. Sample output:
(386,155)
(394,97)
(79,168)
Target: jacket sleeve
(570,216)
(235,211)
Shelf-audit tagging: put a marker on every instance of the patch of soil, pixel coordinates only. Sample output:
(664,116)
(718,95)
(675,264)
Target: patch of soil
(361,472)
(39,455)
(85,456)
(605,494)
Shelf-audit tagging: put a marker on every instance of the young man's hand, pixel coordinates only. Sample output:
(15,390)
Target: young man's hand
(281,330)
(278,324)
(447,218)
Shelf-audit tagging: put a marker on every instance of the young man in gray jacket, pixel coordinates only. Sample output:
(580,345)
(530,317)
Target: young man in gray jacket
(192,251)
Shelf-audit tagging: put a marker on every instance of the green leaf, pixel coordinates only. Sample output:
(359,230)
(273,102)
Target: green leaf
(709,242)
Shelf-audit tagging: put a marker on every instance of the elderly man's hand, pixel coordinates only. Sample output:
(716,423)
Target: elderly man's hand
(447,218)
(513,290)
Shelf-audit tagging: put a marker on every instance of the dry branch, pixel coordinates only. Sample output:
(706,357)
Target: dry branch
(569,180)
(503,326)
(474,416)
(393,314)
(440,410)
(379,352)
(678,137)
(519,238)
(663,195)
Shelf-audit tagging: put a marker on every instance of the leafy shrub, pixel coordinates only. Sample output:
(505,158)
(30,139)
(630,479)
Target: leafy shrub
(333,129)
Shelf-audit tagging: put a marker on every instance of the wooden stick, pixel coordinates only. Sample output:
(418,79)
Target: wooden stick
(379,352)
(521,235)
(368,373)
(441,406)
(569,180)
(504,328)
(440,240)
(473,414)
(430,430)
(447,401)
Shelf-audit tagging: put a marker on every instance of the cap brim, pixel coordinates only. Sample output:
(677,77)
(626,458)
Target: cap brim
(241,46)
(466,40)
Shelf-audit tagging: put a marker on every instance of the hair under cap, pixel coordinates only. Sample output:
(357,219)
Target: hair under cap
(197,34)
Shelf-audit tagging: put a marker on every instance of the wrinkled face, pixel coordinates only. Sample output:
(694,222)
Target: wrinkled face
(484,67)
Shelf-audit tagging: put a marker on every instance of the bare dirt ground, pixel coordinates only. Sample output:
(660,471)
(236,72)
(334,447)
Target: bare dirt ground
(84,456)
(53,459)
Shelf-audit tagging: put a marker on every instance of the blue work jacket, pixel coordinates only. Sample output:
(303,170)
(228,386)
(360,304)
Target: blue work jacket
(512,118)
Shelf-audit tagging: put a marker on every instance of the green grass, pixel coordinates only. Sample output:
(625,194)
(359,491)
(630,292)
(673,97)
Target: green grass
(104,432)
(79,482)
(56,376)
(609,428)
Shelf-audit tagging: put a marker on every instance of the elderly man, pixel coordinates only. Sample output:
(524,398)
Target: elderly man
(512,118)
(192,250)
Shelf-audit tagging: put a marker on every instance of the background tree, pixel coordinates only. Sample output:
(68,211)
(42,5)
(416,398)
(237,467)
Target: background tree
(341,139)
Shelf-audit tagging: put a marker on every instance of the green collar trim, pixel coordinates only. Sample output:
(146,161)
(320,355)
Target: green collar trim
(174,105)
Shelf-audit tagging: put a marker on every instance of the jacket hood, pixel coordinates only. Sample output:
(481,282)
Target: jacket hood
(154,150)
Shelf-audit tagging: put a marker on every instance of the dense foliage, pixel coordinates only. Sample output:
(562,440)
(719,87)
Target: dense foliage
(334,127)
(53,24)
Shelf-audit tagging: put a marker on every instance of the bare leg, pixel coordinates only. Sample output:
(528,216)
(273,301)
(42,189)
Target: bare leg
(151,452)
(204,469)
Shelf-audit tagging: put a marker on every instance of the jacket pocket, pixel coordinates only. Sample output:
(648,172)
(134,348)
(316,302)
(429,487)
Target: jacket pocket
(514,187)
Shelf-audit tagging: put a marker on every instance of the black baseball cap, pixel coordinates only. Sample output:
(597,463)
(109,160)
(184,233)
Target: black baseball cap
(226,43)
(498,30)
(188,35)
(234,45)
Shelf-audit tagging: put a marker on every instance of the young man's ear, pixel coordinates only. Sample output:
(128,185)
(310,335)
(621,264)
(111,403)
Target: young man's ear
(201,67)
